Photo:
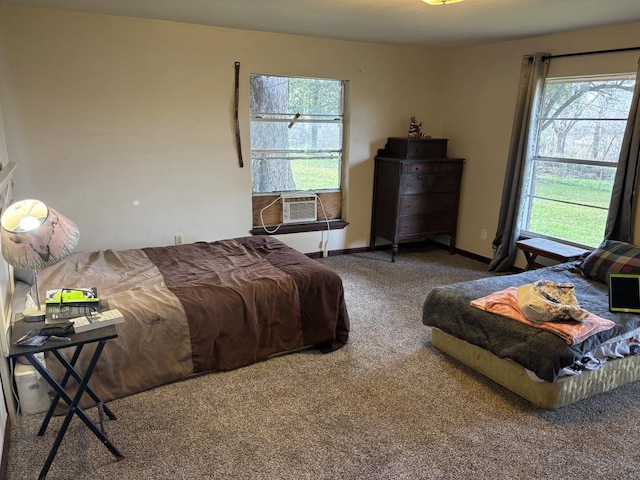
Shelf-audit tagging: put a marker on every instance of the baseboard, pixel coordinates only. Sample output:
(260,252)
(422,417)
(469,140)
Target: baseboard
(467,254)
(412,246)
(333,253)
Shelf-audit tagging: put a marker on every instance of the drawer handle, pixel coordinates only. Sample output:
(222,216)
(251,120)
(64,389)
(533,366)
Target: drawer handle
(425,185)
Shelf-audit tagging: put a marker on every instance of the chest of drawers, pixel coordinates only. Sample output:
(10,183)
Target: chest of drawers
(415,198)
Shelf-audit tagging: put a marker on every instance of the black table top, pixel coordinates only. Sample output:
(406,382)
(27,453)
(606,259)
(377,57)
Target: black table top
(20,328)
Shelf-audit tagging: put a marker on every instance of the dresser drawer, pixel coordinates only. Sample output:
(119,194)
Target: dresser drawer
(428,203)
(400,147)
(448,167)
(433,223)
(428,183)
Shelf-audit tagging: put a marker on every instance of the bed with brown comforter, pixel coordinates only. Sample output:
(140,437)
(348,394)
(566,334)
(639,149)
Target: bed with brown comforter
(204,307)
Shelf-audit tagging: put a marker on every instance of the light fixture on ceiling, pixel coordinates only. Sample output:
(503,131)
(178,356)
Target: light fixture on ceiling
(441,2)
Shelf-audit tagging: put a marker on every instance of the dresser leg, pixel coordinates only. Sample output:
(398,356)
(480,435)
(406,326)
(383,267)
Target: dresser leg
(452,244)
(394,251)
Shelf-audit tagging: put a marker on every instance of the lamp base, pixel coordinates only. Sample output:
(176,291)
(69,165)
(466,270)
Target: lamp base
(33,314)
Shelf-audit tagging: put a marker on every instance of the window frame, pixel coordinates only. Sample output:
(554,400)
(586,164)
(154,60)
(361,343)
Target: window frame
(527,190)
(303,118)
(331,198)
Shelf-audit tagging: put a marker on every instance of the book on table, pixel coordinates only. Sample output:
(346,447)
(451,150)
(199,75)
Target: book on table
(96,320)
(71,295)
(63,304)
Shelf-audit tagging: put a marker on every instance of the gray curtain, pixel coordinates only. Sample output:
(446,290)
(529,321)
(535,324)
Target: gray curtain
(532,75)
(622,206)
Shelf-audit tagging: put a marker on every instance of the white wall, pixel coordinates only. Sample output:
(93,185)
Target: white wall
(103,111)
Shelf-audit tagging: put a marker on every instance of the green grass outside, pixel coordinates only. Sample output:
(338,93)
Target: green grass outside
(316,174)
(588,191)
(574,223)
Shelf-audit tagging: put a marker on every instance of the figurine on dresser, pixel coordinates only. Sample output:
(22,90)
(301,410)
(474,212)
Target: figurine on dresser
(415,129)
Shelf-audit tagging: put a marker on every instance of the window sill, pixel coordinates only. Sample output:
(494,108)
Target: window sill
(300,227)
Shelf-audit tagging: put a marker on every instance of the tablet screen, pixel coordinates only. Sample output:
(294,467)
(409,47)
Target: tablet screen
(624,292)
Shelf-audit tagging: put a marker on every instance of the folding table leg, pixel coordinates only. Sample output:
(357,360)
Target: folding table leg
(63,384)
(72,371)
(75,409)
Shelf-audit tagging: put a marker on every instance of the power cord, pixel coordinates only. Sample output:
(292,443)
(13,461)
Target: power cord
(14,392)
(325,251)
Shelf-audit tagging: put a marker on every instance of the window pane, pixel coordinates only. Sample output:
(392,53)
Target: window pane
(268,135)
(286,175)
(292,95)
(573,223)
(583,139)
(312,95)
(569,182)
(584,119)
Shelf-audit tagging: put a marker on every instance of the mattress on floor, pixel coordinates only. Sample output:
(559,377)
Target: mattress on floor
(548,395)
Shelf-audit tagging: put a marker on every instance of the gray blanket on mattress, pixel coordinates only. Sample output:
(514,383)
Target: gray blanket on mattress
(542,352)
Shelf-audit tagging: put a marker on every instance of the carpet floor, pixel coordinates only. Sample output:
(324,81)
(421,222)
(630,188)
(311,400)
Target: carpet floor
(386,406)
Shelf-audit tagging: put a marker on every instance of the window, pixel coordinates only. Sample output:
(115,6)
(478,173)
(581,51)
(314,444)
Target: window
(296,133)
(577,143)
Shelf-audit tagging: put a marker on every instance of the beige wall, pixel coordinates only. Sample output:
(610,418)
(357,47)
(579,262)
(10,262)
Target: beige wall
(103,111)
(481,91)
(100,112)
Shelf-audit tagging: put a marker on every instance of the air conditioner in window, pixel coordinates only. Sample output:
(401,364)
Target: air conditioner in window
(299,208)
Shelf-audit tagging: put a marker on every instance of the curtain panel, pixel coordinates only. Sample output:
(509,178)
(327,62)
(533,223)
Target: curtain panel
(533,73)
(623,196)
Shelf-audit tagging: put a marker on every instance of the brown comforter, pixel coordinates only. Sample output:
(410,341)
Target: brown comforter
(204,307)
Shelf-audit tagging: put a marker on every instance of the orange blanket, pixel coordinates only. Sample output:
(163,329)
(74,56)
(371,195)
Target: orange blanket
(505,303)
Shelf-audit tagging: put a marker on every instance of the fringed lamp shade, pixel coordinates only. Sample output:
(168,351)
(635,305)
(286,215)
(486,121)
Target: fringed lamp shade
(35,236)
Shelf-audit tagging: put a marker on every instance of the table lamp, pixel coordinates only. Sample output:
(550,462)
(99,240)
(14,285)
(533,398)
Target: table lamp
(33,237)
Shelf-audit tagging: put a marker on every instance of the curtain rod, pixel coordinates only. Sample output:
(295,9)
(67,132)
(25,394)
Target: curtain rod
(593,52)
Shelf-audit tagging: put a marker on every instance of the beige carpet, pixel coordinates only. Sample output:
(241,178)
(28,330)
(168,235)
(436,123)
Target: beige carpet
(387,406)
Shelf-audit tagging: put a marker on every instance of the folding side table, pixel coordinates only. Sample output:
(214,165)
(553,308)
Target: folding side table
(77,341)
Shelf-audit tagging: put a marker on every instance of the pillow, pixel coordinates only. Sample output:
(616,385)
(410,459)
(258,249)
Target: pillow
(611,256)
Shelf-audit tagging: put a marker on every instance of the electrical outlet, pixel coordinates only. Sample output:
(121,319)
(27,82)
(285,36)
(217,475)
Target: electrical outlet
(177,239)
(483,234)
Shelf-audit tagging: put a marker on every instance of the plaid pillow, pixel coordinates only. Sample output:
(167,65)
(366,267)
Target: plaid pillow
(611,256)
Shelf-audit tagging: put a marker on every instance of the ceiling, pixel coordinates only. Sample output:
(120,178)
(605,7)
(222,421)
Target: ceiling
(404,22)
